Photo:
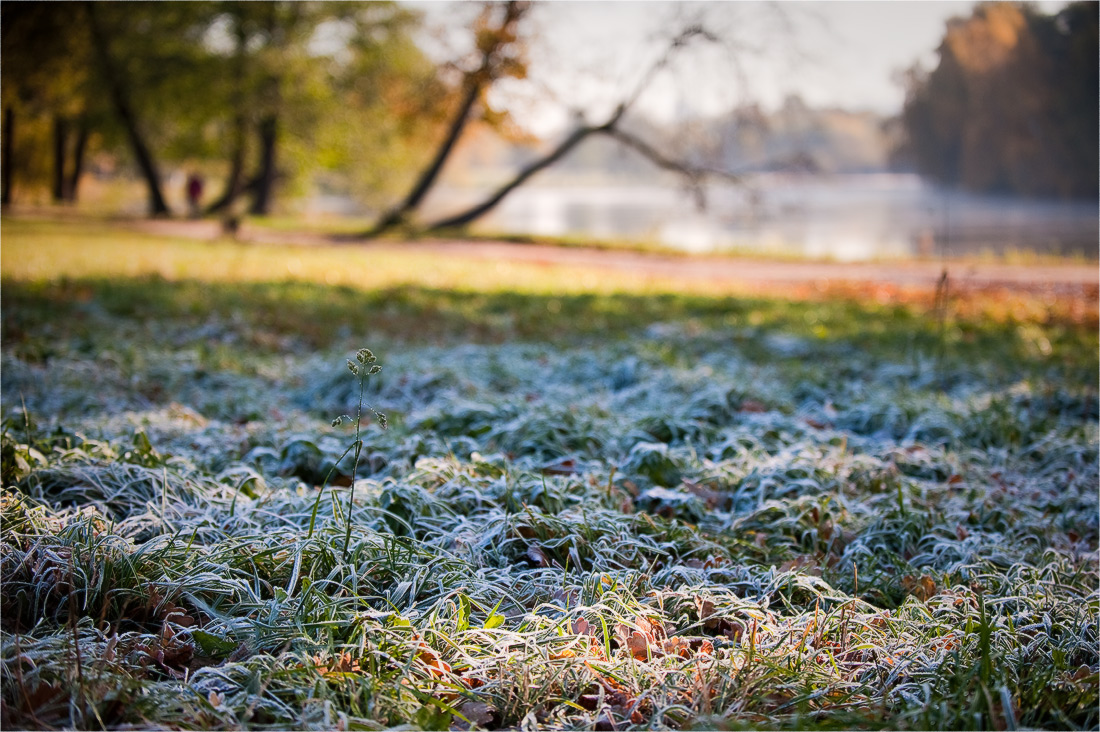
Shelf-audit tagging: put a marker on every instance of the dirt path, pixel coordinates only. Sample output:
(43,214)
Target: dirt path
(1062,279)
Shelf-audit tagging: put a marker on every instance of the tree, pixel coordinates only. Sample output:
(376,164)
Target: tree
(118,87)
(1011,105)
(296,72)
(46,83)
(73,84)
(269,89)
(501,54)
(694,175)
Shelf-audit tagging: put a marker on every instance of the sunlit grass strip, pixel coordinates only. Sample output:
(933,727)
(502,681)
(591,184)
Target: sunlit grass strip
(35,251)
(38,251)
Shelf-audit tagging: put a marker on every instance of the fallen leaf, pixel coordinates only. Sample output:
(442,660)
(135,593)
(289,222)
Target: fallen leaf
(606,723)
(638,645)
(677,646)
(583,627)
(733,630)
(806,563)
(537,556)
(479,713)
(922,588)
(706,612)
(437,667)
(563,467)
(709,496)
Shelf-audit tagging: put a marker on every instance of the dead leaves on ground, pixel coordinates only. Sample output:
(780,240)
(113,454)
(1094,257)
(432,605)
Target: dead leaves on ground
(923,588)
(647,639)
(731,629)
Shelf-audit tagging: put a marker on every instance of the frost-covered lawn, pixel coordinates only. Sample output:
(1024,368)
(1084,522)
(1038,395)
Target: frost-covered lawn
(588,511)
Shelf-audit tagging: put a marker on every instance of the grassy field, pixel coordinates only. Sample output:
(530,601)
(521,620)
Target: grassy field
(599,502)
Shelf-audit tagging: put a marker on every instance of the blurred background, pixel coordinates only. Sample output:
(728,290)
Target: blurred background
(847,131)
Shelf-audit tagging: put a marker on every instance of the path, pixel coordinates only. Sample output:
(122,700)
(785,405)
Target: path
(1061,278)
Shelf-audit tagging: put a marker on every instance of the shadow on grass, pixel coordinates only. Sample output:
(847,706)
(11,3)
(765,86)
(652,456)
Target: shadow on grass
(293,315)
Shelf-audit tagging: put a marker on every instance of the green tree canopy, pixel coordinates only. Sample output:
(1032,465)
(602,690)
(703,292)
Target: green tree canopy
(274,92)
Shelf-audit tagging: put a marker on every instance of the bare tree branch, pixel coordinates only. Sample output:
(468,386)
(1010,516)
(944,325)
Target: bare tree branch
(694,175)
(523,175)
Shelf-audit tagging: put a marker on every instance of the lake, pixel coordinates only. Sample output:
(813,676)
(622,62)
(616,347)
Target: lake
(842,217)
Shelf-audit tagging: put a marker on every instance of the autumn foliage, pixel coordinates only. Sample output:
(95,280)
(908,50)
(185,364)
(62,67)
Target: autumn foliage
(1011,106)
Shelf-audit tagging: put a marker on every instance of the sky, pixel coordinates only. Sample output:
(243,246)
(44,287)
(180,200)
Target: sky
(586,55)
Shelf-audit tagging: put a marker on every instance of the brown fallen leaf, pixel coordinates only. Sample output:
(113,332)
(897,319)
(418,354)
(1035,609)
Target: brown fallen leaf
(922,588)
(706,613)
(805,562)
(638,645)
(677,646)
(437,667)
(537,556)
(479,713)
(563,467)
(733,629)
(709,496)
(581,626)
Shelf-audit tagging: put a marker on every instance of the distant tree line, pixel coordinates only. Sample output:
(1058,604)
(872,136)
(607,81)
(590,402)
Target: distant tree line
(1011,106)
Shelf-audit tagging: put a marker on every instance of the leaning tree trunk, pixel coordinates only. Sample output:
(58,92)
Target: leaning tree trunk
(60,137)
(474,83)
(427,178)
(692,174)
(125,111)
(73,183)
(520,178)
(6,163)
(265,179)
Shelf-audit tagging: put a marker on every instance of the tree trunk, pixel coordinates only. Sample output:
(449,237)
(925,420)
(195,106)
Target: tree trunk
(427,178)
(474,82)
(121,101)
(692,174)
(233,183)
(265,179)
(489,204)
(73,183)
(233,186)
(6,162)
(60,136)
